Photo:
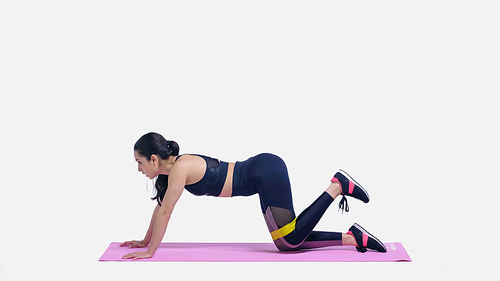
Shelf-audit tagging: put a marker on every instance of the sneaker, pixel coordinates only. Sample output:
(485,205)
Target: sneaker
(365,240)
(350,188)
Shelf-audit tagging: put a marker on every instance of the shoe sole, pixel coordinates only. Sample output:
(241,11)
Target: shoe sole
(351,179)
(360,228)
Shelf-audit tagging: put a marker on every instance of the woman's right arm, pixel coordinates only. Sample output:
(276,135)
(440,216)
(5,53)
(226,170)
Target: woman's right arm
(149,234)
(145,242)
(176,183)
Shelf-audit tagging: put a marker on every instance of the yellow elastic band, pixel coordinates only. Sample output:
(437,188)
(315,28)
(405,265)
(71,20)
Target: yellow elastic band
(285,230)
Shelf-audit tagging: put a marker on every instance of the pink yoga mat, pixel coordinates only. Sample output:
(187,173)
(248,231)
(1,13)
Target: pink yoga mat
(256,252)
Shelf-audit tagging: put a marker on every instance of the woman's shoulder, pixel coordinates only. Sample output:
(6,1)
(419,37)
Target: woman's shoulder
(191,167)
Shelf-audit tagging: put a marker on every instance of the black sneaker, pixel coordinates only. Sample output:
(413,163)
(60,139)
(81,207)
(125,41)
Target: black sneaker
(350,188)
(365,240)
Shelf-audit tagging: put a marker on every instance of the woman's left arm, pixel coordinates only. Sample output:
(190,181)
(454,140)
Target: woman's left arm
(176,183)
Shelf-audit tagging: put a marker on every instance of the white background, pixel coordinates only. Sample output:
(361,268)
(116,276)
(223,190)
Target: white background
(398,93)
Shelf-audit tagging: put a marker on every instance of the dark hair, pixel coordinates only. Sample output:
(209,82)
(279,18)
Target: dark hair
(154,143)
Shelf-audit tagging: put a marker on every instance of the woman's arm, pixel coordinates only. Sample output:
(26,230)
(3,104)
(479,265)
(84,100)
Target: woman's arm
(176,183)
(149,234)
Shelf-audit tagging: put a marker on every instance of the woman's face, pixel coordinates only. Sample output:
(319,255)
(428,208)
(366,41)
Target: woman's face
(150,168)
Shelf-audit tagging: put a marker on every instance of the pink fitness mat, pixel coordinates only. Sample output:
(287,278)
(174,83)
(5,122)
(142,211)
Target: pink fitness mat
(256,252)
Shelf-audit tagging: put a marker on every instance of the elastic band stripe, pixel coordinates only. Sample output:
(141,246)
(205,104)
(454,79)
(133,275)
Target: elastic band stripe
(285,230)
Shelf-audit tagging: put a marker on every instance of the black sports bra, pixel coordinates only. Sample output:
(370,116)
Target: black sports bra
(213,181)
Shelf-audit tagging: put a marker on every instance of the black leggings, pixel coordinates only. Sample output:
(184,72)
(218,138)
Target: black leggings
(268,174)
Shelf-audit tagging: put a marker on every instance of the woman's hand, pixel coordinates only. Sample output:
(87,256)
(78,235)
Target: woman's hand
(134,244)
(138,255)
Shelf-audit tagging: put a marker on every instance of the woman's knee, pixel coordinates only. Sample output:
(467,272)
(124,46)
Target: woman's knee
(284,246)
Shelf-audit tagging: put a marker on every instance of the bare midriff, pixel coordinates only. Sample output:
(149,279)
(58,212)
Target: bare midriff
(227,190)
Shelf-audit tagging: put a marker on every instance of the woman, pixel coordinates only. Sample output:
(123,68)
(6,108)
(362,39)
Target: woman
(264,174)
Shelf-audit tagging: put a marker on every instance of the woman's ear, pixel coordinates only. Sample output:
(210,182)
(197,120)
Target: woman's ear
(154,158)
